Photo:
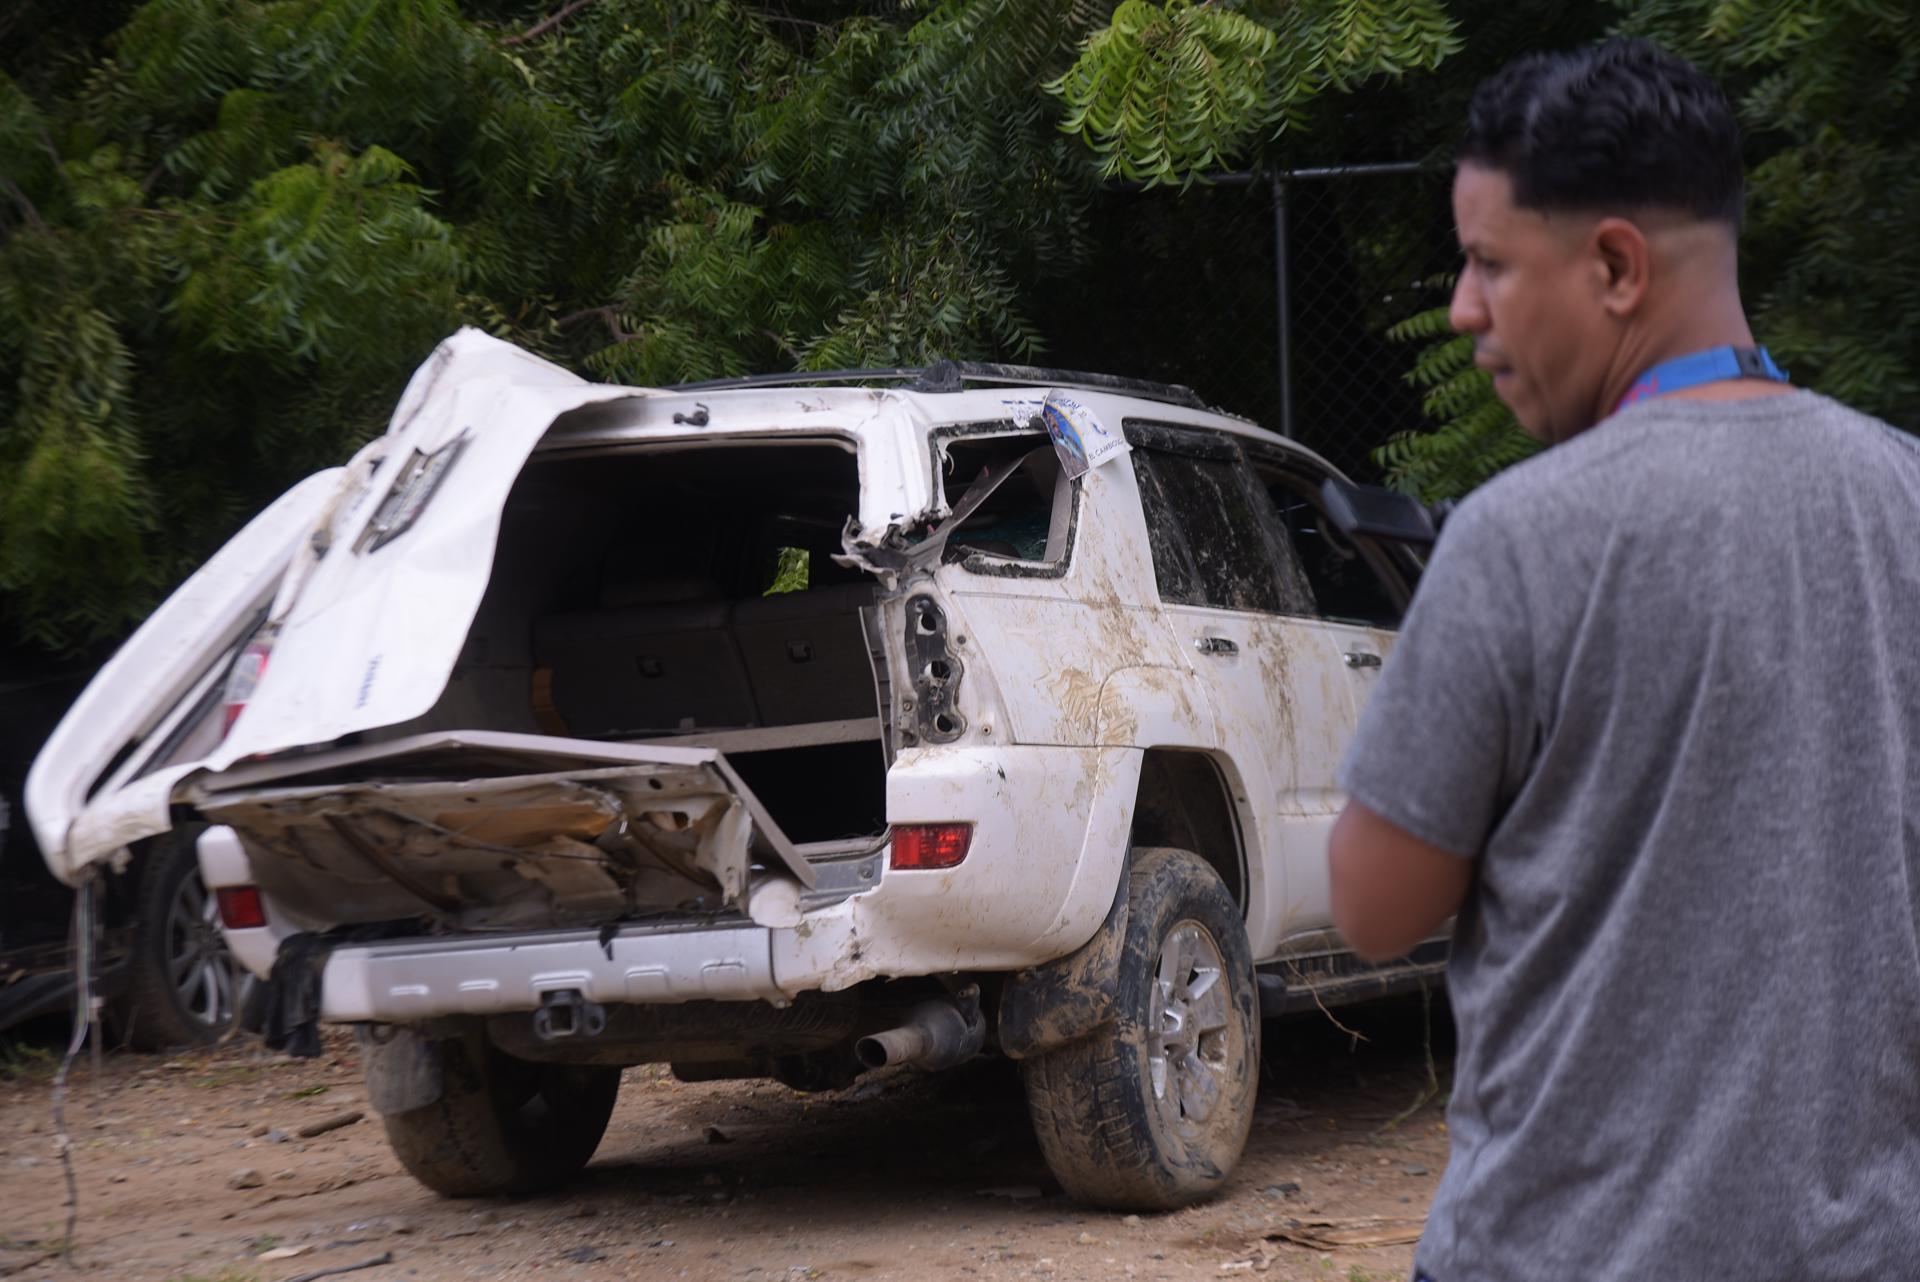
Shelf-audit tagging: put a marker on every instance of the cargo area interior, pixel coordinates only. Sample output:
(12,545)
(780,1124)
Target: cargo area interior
(688,597)
(663,597)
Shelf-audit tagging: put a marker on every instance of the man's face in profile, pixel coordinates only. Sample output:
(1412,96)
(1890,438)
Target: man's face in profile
(1529,294)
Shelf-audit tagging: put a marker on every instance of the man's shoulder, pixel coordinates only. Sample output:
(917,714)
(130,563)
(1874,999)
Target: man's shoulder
(1545,489)
(1826,419)
(1667,447)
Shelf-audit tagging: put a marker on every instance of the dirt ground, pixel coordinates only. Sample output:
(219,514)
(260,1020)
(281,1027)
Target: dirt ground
(904,1176)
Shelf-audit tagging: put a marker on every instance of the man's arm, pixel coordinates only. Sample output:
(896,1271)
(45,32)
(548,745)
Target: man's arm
(1445,741)
(1390,889)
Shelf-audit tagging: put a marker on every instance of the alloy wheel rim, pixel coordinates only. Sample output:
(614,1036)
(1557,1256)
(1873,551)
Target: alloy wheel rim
(198,963)
(1188,1027)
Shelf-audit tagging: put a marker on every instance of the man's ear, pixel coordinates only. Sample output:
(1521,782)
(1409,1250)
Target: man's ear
(1624,263)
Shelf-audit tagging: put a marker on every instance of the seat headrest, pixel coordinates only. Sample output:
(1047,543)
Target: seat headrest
(622,588)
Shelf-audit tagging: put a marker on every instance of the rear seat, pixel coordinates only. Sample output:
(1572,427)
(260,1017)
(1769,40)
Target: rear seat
(657,657)
(672,654)
(806,654)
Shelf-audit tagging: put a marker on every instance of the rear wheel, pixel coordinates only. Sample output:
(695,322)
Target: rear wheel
(503,1125)
(183,986)
(1151,1111)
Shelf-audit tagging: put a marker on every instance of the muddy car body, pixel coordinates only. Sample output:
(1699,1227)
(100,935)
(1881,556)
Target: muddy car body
(777,731)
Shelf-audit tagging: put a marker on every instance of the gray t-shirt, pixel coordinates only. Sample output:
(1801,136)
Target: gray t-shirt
(1663,684)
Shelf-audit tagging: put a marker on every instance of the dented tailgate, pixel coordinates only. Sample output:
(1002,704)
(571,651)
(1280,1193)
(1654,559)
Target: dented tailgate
(375,601)
(487,831)
(167,663)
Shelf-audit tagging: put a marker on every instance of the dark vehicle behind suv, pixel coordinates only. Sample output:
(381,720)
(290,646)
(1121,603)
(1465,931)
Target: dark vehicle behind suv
(164,968)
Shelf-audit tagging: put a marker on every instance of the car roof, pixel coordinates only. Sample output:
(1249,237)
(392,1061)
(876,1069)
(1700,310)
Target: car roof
(954,376)
(781,404)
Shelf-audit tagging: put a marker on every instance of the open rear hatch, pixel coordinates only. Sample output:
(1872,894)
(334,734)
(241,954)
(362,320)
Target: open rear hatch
(484,830)
(355,592)
(643,578)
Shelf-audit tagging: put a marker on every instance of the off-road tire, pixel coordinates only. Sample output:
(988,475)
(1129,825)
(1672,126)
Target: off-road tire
(150,1014)
(503,1125)
(1108,1137)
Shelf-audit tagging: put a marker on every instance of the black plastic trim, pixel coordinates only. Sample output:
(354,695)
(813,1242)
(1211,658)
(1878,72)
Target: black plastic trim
(954,376)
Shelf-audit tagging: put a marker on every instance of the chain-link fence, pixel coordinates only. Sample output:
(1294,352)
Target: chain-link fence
(1268,294)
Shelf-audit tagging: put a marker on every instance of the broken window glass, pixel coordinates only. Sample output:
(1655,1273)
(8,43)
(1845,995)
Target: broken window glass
(1025,518)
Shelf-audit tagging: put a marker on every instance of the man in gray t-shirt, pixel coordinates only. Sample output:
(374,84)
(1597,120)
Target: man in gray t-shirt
(1652,730)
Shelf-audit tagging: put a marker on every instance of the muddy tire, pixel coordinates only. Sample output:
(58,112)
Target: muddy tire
(503,1125)
(1151,1111)
(183,987)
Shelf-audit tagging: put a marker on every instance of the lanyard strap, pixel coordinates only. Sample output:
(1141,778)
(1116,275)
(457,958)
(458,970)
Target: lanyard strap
(1714,365)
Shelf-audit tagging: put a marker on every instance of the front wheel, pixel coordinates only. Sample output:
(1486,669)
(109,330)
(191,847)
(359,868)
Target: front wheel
(503,1125)
(1151,1111)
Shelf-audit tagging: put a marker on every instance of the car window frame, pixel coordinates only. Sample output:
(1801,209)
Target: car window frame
(994,565)
(1394,566)
(1214,445)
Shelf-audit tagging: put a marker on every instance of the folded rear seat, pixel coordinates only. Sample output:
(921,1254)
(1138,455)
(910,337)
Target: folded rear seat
(655,659)
(806,655)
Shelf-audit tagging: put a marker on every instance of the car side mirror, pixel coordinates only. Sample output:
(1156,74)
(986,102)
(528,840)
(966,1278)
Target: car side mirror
(1374,512)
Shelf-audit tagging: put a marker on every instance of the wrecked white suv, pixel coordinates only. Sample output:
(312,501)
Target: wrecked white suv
(766,731)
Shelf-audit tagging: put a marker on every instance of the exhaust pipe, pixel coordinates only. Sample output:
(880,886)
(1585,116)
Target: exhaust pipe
(936,1034)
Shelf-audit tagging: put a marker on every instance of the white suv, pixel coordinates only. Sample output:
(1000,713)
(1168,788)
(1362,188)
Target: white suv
(767,730)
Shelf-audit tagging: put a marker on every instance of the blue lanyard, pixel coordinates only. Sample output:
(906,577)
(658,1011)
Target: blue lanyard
(1714,365)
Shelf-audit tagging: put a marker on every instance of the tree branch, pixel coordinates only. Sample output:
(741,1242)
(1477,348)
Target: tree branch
(608,315)
(27,211)
(790,20)
(783,345)
(545,25)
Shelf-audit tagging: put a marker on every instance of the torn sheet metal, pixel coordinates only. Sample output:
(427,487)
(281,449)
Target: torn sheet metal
(487,831)
(375,572)
(895,560)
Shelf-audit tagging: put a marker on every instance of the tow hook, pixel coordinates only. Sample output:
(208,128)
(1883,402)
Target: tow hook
(567,1013)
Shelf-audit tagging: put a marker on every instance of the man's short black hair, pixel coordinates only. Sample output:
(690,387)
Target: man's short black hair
(1619,125)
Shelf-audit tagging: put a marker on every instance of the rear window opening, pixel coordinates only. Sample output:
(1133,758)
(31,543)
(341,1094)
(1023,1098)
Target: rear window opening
(688,597)
(1028,518)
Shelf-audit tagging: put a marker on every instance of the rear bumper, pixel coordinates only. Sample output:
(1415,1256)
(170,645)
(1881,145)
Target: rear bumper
(395,981)
(1036,884)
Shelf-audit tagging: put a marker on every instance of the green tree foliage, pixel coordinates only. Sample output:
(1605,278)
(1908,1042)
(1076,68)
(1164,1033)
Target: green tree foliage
(1826,91)
(1168,92)
(230,228)
(1478,436)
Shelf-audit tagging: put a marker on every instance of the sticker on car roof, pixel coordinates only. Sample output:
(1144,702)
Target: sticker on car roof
(1079,438)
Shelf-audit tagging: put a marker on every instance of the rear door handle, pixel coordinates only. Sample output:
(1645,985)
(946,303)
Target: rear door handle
(1362,659)
(1215,645)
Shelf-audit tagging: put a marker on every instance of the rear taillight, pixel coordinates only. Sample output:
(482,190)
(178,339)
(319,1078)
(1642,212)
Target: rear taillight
(246,674)
(240,907)
(924,846)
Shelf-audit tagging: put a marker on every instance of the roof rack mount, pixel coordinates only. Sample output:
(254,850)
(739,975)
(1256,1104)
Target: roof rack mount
(954,376)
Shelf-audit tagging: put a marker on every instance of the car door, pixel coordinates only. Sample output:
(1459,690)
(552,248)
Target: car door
(1359,592)
(1358,595)
(1236,595)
